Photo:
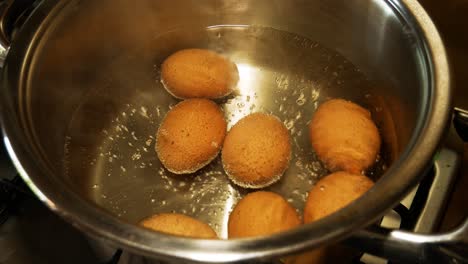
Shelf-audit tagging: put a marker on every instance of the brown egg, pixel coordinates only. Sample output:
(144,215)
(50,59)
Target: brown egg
(199,73)
(178,224)
(317,256)
(256,151)
(261,213)
(334,192)
(332,254)
(190,136)
(344,136)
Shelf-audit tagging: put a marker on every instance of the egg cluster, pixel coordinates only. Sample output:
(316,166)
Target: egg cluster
(256,151)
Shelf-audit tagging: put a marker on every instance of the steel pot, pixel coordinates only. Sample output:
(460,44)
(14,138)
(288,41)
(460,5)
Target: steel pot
(70,51)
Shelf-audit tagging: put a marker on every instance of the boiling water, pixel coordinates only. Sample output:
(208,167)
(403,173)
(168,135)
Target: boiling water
(280,73)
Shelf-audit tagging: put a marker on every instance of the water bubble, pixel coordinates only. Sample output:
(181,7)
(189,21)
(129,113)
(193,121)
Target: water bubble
(301,100)
(148,142)
(315,94)
(298,115)
(133,136)
(136,156)
(299,163)
(289,123)
(158,111)
(282,82)
(144,112)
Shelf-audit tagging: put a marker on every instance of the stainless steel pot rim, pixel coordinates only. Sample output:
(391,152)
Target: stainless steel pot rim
(399,179)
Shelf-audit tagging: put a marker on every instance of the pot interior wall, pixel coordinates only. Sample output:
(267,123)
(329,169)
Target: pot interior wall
(100,57)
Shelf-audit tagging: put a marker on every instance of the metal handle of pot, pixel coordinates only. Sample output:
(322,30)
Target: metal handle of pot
(409,247)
